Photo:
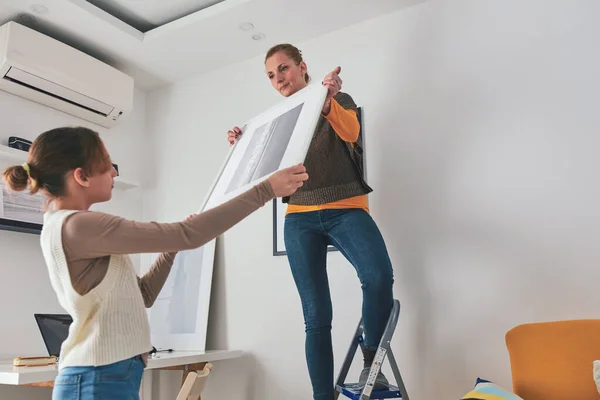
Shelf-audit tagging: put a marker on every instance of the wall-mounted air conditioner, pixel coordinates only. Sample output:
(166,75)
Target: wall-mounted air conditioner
(42,69)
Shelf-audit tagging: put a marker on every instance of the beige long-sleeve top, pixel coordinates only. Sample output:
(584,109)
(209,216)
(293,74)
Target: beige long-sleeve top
(90,238)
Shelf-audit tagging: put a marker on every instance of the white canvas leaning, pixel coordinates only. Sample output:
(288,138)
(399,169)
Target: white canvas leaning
(179,316)
(274,140)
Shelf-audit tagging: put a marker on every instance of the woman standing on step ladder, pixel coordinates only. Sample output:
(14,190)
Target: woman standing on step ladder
(331,208)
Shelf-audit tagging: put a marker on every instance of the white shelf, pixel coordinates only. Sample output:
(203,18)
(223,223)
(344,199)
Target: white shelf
(8,155)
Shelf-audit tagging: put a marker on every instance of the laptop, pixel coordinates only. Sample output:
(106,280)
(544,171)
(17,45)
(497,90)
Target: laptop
(54,329)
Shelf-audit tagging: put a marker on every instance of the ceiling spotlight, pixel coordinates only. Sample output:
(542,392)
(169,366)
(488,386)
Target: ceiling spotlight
(258,36)
(246,26)
(39,8)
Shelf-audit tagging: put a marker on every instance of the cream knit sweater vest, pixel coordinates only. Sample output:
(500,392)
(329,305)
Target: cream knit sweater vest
(110,323)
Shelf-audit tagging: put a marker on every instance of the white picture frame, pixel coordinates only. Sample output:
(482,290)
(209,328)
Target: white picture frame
(169,332)
(279,208)
(179,316)
(276,139)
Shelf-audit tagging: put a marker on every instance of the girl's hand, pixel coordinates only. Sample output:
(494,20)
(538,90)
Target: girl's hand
(333,83)
(287,181)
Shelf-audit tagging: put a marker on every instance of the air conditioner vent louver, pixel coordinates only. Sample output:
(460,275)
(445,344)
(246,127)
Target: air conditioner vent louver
(49,72)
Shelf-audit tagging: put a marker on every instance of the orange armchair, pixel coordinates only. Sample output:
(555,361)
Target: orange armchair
(554,360)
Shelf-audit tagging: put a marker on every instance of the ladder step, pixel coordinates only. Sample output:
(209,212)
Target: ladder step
(353,391)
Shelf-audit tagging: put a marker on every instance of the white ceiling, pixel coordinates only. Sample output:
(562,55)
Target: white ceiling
(165,49)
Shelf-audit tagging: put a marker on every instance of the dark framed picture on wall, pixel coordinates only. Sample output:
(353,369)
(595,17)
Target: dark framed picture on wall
(279,207)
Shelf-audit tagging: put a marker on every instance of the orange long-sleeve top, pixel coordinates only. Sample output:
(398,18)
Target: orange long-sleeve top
(345,123)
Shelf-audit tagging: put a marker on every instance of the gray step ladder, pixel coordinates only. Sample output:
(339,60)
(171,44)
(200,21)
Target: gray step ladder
(354,390)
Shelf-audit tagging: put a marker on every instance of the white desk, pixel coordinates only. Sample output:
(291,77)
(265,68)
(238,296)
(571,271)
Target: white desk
(179,360)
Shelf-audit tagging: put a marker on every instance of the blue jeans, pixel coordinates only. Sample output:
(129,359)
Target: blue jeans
(117,381)
(354,233)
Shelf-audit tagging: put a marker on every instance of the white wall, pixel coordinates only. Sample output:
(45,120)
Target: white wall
(25,287)
(481,127)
